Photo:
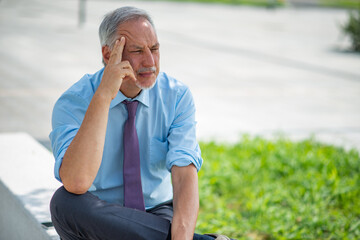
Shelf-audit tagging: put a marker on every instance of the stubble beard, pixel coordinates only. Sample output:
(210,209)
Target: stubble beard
(142,86)
(139,85)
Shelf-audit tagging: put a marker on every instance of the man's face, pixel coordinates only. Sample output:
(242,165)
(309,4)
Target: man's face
(141,50)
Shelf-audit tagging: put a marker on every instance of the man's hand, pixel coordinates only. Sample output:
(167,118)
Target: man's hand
(116,71)
(83,157)
(186,202)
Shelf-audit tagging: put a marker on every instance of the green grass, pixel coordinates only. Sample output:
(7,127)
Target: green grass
(260,189)
(341,3)
(260,3)
(277,3)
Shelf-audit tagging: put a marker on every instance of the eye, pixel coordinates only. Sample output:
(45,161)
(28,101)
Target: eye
(155,49)
(137,51)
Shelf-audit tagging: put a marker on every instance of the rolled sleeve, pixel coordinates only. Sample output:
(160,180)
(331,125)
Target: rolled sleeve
(67,117)
(183,147)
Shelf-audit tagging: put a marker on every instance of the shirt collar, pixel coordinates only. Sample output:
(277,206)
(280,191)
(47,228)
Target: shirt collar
(143,98)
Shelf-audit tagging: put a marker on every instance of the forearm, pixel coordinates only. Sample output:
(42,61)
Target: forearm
(186,202)
(83,157)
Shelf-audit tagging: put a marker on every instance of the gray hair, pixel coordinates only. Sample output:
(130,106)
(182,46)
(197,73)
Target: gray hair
(109,26)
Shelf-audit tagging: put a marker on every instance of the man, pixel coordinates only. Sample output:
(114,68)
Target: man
(124,143)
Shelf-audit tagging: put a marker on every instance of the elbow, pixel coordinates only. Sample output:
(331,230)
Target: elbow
(76,188)
(76,184)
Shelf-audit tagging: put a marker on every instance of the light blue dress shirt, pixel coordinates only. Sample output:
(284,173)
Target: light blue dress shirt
(165,123)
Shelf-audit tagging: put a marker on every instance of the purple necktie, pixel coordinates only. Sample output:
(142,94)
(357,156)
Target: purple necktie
(133,195)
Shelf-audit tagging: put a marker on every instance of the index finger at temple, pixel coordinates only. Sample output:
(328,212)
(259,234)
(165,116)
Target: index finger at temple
(117,52)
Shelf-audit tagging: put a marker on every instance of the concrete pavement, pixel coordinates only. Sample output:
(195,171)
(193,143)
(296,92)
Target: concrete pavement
(251,70)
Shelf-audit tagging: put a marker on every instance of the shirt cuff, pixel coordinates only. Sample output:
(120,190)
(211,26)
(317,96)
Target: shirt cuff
(184,157)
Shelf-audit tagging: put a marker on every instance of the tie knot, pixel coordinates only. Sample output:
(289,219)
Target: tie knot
(131,107)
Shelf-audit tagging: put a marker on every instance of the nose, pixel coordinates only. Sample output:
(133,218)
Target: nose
(148,60)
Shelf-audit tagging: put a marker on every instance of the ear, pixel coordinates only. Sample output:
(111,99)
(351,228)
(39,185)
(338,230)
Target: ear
(105,53)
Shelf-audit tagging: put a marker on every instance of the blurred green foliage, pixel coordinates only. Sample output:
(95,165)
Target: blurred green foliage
(261,189)
(341,3)
(352,29)
(277,3)
(261,3)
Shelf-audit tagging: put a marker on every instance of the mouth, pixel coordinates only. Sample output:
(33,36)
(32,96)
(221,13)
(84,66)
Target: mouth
(146,74)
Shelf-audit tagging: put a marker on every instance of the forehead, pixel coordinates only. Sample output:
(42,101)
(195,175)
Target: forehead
(138,31)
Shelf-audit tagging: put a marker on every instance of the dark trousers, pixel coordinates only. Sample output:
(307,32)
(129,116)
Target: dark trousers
(80,217)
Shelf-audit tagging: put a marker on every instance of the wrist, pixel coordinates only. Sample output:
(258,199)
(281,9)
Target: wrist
(181,231)
(103,96)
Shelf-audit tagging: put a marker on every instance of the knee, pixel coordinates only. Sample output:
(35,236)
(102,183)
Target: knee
(58,201)
(65,209)
(64,201)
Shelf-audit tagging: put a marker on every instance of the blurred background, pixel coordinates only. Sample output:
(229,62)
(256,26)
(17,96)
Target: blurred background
(267,68)
(258,67)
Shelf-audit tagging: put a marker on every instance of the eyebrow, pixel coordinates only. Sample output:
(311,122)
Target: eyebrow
(140,48)
(156,45)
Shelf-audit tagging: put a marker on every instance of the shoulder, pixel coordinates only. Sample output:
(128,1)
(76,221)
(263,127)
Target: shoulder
(170,86)
(83,90)
(171,94)
(86,86)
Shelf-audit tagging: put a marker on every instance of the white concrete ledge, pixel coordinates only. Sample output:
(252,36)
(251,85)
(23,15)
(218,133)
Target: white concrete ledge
(16,222)
(26,186)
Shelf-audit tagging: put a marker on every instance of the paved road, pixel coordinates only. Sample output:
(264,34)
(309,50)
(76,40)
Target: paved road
(251,70)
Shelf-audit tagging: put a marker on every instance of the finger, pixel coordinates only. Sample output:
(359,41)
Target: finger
(125,64)
(116,53)
(128,73)
(112,53)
